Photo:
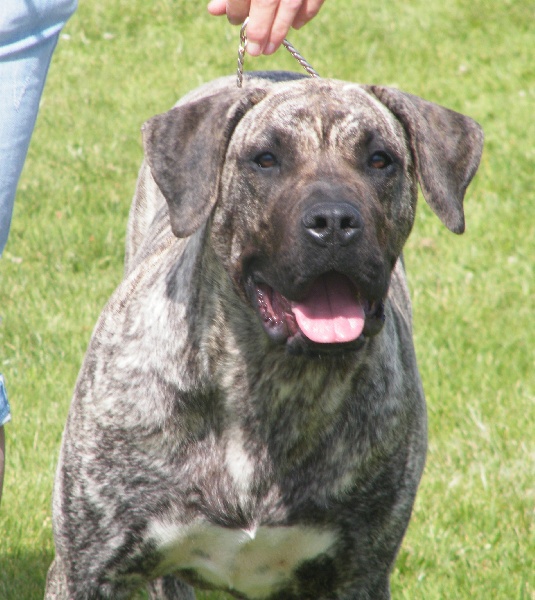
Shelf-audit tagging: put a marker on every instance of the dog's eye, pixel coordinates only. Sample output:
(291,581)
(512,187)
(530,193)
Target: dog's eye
(379,160)
(266,160)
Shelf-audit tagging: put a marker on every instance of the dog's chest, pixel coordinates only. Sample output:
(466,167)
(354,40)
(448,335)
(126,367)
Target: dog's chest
(253,562)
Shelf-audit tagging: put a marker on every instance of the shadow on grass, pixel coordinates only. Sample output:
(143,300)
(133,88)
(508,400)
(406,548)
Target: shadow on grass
(23,576)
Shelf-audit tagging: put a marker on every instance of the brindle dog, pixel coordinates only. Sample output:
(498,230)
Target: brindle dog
(249,416)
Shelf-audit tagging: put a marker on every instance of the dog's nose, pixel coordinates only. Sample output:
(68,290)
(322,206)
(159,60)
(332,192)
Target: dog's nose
(331,223)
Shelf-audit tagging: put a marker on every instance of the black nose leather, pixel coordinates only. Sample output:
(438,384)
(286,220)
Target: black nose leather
(332,223)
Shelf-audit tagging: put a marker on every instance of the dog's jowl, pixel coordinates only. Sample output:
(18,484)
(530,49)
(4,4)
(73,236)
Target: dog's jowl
(249,416)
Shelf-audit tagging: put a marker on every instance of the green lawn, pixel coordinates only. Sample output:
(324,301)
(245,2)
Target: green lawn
(121,61)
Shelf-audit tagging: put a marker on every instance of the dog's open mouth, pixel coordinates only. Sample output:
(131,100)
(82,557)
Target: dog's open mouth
(332,312)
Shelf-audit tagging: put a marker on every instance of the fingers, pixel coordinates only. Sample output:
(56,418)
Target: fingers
(309,9)
(269,20)
(236,10)
(217,7)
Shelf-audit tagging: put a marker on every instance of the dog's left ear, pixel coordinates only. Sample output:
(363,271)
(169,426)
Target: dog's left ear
(446,148)
(185,148)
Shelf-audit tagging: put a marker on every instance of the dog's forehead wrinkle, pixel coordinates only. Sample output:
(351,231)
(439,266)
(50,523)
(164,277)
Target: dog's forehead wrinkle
(284,127)
(332,116)
(374,115)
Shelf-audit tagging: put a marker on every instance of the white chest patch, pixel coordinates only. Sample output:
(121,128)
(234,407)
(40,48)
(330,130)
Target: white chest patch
(239,465)
(254,562)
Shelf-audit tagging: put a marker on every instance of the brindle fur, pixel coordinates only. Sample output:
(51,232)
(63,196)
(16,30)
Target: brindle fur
(179,369)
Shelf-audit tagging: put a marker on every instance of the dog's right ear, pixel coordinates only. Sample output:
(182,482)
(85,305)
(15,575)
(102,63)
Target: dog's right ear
(446,148)
(185,148)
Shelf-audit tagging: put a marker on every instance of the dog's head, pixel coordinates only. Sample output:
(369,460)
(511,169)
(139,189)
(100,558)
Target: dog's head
(311,187)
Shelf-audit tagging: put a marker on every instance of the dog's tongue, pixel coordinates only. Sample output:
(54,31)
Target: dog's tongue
(330,313)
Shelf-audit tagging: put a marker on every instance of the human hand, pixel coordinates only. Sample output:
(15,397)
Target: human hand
(269,20)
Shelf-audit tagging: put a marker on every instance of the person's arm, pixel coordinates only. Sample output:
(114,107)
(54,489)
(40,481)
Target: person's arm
(269,20)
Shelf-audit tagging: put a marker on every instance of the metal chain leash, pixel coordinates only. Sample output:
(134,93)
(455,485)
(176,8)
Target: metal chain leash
(291,49)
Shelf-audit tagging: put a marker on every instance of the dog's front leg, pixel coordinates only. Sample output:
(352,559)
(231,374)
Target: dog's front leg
(56,582)
(170,588)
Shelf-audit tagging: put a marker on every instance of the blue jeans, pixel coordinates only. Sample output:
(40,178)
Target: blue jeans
(29,31)
(5,413)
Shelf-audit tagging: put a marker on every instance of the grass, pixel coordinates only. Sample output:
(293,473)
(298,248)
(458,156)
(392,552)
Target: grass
(472,534)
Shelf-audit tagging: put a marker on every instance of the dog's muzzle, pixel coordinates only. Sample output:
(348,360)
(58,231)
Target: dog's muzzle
(332,307)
